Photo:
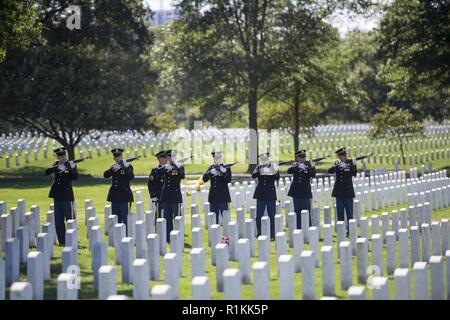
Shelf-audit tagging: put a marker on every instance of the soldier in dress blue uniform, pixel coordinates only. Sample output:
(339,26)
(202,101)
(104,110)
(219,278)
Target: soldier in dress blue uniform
(219,194)
(171,191)
(265,191)
(156,180)
(300,189)
(120,194)
(61,191)
(344,169)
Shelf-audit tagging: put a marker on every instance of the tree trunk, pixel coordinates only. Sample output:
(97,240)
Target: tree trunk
(296,120)
(70,150)
(253,126)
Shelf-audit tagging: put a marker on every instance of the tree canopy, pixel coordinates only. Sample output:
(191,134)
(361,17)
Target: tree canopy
(260,63)
(19,25)
(78,80)
(414,39)
(391,122)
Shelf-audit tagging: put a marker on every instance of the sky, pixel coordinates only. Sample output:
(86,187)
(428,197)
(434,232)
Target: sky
(343,22)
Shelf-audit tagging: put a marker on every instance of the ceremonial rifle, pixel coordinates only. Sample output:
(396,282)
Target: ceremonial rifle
(185,159)
(128,160)
(363,157)
(180,161)
(292,162)
(226,165)
(74,161)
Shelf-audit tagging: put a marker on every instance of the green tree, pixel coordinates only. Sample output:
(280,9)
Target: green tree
(278,115)
(305,83)
(414,42)
(391,122)
(79,80)
(353,65)
(163,122)
(229,53)
(19,26)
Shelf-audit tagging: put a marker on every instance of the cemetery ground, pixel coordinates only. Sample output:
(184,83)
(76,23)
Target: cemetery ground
(24,179)
(35,191)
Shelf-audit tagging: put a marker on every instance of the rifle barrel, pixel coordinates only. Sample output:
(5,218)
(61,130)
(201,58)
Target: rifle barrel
(363,157)
(128,160)
(132,159)
(227,165)
(74,161)
(79,160)
(282,163)
(186,158)
(320,159)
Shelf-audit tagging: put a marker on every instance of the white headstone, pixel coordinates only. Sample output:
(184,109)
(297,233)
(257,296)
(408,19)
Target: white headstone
(260,280)
(141,280)
(35,273)
(232,284)
(107,284)
(308,276)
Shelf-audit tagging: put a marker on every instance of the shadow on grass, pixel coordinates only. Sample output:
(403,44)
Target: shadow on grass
(34,177)
(86,290)
(35,180)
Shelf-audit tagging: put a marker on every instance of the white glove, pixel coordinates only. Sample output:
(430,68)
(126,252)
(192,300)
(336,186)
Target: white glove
(155,199)
(343,164)
(125,163)
(61,167)
(213,171)
(275,167)
(265,170)
(223,169)
(302,166)
(168,166)
(115,166)
(354,161)
(177,163)
(313,164)
(72,164)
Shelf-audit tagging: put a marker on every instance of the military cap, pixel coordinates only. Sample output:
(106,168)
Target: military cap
(265,154)
(117,151)
(171,153)
(161,154)
(300,153)
(341,151)
(216,153)
(60,151)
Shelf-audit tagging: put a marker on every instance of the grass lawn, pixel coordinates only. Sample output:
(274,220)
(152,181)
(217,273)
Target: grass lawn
(27,181)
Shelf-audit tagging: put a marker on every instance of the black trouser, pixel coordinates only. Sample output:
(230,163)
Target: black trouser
(261,205)
(170,212)
(299,205)
(63,211)
(120,209)
(159,208)
(218,208)
(344,204)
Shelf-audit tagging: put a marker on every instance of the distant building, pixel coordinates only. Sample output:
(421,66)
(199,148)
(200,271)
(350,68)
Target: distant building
(161,17)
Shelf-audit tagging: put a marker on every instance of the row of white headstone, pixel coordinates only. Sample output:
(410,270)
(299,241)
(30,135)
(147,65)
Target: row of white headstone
(147,244)
(375,193)
(326,136)
(207,139)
